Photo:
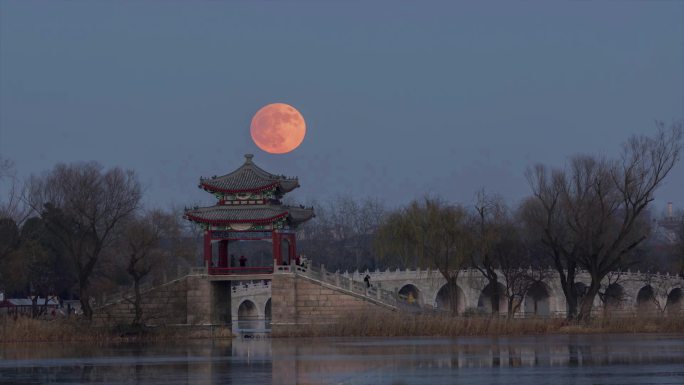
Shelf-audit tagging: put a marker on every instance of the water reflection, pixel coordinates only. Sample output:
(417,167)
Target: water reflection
(533,359)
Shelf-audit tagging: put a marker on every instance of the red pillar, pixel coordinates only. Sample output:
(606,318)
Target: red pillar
(207,249)
(292,248)
(223,253)
(276,248)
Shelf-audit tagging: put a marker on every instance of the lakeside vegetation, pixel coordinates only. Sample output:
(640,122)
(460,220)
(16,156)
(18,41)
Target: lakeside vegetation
(372,324)
(27,329)
(378,324)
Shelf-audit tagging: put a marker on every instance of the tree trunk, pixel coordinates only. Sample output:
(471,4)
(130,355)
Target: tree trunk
(495,297)
(452,289)
(567,280)
(584,314)
(571,302)
(85,300)
(513,305)
(137,304)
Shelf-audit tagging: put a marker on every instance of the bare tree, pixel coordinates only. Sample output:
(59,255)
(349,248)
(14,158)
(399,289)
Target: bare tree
(9,237)
(680,250)
(433,232)
(141,245)
(11,205)
(341,234)
(501,255)
(519,266)
(490,224)
(542,215)
(591,215)
(12,212)
(82,205)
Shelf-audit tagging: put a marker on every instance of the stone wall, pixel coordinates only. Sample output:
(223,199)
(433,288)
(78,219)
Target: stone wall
(297,300)
(198,301)
(165,304)
(191,300)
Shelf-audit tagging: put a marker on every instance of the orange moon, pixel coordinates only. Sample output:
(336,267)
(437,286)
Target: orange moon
(278,128)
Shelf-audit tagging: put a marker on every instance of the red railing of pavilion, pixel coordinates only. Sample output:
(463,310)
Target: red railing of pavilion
(240,270)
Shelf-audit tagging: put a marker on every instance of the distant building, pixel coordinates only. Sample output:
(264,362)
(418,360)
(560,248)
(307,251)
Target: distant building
(249,208)
(16,306)
(668,227)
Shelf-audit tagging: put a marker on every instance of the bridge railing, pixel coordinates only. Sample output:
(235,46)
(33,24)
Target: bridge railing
(250,287)
(347,283)
(127,293)
(240,270)
(199,271)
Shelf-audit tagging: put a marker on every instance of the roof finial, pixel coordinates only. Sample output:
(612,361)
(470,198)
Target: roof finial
(248,158)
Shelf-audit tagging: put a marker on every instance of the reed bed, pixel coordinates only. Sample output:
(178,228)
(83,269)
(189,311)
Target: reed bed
(371,324)
(25,329)
(382,324)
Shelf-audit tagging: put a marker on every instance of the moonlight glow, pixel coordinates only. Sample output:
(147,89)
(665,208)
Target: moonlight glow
(278,128)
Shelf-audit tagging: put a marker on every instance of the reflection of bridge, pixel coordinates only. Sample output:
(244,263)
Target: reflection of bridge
(293,296)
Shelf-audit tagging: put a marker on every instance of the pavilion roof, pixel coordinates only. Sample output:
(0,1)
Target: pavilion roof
(222,215)
(248,178)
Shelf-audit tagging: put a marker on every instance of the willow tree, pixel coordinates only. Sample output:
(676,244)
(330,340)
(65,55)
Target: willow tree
(593,213)
(429,234)
(82,206)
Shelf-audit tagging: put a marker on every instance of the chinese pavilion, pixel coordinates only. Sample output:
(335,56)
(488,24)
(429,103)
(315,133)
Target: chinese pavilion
(249,207)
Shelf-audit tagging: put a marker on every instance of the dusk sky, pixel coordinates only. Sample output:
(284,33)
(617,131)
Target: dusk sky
(401,99)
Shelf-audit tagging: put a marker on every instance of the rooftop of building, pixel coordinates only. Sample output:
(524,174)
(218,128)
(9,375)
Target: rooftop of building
(248,178)
(219,214)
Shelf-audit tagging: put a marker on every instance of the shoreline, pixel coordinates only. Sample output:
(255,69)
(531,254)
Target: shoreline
(27,330)
(398,325)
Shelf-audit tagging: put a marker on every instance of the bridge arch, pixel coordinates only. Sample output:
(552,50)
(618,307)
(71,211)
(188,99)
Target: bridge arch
(248,315)
(443,299)
(614,297)
(267,310)
(537,300)
(675,301)
(646,300)
(580,290)
(410,293)
(484,303)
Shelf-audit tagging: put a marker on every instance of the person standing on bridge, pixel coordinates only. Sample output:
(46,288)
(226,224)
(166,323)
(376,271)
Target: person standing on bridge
(366,279)
(243,261)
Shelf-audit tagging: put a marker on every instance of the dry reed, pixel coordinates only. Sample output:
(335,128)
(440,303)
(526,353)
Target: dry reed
(382,324)
(371,324)
(25,329)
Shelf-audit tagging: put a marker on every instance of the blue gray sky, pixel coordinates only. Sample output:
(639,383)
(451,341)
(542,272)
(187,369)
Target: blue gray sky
(401,99)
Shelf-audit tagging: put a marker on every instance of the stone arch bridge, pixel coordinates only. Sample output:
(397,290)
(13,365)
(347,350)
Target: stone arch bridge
(293,295)
(622,293)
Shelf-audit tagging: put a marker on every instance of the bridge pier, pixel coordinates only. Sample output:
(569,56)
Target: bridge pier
(208,302)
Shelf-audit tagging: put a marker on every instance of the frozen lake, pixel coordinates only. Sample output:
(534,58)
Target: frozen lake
(562,359)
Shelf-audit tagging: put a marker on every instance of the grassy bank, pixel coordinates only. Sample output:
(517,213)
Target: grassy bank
(401,325)
(362,325)
(25,329)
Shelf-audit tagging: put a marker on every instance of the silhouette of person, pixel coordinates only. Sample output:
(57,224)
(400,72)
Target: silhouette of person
(243,261)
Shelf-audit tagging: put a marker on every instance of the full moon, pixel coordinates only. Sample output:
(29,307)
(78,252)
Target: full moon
(278,128)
